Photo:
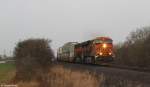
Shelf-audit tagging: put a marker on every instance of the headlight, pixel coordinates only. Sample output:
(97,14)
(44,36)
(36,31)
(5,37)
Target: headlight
(110,53)
(101,53)
(104,45)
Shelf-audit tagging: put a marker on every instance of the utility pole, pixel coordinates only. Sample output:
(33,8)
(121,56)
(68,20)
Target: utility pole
(4,55)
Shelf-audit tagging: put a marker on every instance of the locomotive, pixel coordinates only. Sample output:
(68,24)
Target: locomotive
(96,51)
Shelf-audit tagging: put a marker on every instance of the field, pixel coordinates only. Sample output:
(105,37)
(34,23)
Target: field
(7,71)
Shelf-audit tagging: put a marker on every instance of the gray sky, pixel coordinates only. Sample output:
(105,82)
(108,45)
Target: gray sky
(69,20)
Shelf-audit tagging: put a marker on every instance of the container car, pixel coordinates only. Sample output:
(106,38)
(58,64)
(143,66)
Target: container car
(66,52)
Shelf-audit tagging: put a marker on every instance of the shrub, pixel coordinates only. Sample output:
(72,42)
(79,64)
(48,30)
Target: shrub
(32,55)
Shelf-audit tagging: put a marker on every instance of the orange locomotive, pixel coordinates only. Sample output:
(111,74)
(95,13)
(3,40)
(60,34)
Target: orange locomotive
(95,51)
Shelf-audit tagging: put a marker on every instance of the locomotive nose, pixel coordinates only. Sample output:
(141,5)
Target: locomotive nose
(105,50)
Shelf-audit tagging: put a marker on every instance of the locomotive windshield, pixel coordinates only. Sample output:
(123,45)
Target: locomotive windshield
(98,41)
(107,41)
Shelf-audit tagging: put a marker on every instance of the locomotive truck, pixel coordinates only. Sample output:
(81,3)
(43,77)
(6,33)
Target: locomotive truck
(96,51)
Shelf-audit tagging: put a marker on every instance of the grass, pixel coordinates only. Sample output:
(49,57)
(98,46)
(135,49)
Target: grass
(7,71)
(59,76)
(62,77)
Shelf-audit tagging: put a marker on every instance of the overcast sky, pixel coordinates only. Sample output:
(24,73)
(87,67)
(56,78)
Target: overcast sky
(69,20)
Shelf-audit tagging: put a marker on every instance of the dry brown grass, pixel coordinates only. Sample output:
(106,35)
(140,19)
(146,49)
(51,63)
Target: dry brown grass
(59,76)
(28,84)
(62,77)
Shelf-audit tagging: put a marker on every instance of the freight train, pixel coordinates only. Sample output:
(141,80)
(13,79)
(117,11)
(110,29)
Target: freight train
(96,51)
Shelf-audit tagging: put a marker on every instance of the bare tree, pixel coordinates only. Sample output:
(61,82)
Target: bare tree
(135,50)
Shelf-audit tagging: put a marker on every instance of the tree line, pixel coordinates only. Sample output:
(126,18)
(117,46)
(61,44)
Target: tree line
(135,51)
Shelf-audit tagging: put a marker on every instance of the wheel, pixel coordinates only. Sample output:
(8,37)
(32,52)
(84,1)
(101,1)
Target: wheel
(93,60)
(77,60)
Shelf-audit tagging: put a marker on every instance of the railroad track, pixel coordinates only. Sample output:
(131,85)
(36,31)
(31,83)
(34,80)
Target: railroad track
(117,66)
(130,68)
